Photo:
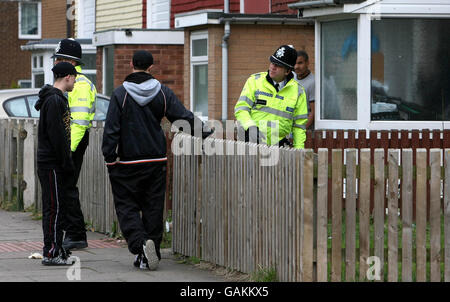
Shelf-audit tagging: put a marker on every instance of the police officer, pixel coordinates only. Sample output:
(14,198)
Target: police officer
(82,101)
(272,104)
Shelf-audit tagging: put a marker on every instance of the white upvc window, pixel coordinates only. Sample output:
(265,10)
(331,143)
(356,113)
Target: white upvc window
(199,74)
(37,70)
(89,66)
(30,19)
(85,19)
(382,72)
(158,13)
(108,70)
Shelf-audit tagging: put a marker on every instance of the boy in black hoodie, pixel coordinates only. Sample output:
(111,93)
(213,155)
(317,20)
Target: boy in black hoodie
(134,147)
(54,160)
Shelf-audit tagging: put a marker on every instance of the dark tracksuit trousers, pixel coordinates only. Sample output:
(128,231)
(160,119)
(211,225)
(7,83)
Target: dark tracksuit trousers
(75,228)
(53,210)
(139,189)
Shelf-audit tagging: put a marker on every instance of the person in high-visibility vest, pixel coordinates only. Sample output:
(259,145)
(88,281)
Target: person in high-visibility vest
(272,104)
(82,101)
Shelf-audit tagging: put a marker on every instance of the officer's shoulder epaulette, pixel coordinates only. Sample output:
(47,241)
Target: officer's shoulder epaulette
(258,75)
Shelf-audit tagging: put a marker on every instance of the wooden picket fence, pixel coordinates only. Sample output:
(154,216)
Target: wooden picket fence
(232,209)
(19,183)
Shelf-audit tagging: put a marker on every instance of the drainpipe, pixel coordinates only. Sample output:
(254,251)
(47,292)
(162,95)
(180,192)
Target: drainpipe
(225,64)
(68,23)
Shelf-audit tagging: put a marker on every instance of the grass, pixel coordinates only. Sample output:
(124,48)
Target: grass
(265,275)
(11,205)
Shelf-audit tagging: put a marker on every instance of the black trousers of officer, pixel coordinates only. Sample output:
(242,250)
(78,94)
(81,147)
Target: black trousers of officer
(139,193)
(75,220)
(53,211)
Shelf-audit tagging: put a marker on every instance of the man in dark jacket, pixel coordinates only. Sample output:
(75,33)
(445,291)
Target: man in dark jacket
(54,160)
(134,147)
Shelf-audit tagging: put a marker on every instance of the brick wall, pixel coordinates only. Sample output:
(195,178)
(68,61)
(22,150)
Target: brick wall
(167,66)
(248,52)
(281,7)
(183,6)
(54,20)
(16,64)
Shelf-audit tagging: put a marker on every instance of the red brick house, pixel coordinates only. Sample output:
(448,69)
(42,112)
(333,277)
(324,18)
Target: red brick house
(20,22)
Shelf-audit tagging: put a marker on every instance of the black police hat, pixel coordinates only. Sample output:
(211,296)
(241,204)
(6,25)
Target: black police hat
(68,49)
(285,56)
(63,69)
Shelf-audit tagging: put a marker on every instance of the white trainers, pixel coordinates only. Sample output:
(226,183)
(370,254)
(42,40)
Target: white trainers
(150,254)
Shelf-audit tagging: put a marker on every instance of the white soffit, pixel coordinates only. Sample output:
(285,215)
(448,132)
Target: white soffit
(196,18)
(386,7)
(138,36)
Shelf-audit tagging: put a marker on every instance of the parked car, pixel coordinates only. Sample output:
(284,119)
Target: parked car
(20,103)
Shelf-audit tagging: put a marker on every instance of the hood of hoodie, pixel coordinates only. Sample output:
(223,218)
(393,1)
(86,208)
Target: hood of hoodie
(46,91)
(142,87)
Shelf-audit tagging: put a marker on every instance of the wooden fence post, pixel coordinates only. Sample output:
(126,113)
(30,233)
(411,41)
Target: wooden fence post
(421,215)
(364,212)
(350,220)
(336,245)
(435,215)
(393,158)
(407,214)
(322,216)
(379,210)
(447,216)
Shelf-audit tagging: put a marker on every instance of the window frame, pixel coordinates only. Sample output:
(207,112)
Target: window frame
(39,22)
(91,71)
(364,76)
(105,75)
(196,61)
(12,99)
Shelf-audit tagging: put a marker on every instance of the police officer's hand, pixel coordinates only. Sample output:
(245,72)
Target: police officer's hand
(254,135)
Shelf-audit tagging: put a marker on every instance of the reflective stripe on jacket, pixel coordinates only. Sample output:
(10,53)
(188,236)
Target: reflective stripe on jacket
(82,100)
(261,105)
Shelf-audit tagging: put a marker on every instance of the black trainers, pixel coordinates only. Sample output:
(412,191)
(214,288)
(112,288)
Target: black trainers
(59,260)
(70,244)
(150,255)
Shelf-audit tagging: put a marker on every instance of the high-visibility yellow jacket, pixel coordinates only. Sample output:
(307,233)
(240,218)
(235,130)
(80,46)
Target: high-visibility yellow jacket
(261,105)
(82,100)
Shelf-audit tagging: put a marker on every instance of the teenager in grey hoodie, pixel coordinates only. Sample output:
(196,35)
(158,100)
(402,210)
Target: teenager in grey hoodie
(134,147)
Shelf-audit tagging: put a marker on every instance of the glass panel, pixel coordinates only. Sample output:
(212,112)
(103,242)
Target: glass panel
(109,70)
(201,89)
(41,61)
(29,19)
(32,99)
(199,47)
(89,61)
(410,64)
(25,84)
(16,107)
(39,80)
(339,70)
(101,109)
(34,62)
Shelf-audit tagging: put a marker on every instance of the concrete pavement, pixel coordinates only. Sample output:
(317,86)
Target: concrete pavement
(104,260)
